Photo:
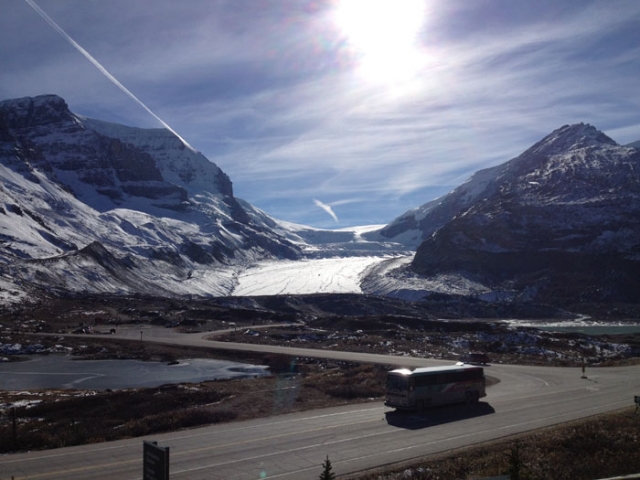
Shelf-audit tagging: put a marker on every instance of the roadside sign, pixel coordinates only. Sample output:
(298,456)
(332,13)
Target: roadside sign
(155,461)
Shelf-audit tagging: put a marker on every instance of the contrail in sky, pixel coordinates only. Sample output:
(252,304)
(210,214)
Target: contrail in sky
(327,208)
(104,71)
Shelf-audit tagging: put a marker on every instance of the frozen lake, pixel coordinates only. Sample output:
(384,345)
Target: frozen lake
(55,371)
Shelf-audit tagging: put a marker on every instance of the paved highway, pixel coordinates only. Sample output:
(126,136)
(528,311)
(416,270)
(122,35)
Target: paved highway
(356,437)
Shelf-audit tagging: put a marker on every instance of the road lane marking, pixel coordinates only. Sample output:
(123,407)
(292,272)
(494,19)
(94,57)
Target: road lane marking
(276,423)
(166,437)
(77,469)
(182,453)
(377,434)
(299,449)
(440,440)
(282,435)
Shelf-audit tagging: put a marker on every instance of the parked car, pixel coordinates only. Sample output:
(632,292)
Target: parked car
(475,358)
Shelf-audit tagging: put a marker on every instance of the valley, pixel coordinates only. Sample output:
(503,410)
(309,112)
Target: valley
(89,207)
(121,243)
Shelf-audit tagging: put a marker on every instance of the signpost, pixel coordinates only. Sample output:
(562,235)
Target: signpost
(155,461)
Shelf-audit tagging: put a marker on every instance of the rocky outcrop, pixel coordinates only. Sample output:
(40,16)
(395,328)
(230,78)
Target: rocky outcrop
(42,133)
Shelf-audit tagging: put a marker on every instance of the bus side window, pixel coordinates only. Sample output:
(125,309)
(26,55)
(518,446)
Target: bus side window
(411,384)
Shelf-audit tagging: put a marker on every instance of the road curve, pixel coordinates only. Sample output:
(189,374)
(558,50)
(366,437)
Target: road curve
(355,437)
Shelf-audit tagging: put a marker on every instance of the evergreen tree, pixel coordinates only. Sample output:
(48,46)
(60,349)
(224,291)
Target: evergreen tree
(327,474)
(515,462)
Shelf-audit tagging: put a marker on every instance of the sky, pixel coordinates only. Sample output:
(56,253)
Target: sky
(335,113)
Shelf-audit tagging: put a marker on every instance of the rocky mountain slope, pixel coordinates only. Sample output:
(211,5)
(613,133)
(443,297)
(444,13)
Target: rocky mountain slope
(90,206)
(561,222)
(416,225)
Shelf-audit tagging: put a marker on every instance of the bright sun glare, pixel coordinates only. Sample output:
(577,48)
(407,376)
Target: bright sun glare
(383,34)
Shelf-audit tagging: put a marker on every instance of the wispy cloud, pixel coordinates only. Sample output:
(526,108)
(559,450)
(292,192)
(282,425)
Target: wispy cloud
(327,208)
(100,68)
(269,94)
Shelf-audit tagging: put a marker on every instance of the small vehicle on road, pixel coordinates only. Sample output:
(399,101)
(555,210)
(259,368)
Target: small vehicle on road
(475,359)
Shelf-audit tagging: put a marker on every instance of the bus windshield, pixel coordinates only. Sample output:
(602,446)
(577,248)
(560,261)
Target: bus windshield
(397,382)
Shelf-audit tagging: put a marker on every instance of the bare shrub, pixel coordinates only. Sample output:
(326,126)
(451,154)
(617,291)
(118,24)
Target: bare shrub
(598,447)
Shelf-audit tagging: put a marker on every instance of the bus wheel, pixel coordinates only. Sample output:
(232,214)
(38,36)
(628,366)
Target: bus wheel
(472,397)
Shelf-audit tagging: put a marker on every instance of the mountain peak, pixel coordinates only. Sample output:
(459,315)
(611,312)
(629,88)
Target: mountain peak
(30,112)
(151,211)
(571,137)
(565,149)
(37,101)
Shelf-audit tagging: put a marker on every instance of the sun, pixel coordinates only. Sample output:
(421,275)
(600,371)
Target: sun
(384,36)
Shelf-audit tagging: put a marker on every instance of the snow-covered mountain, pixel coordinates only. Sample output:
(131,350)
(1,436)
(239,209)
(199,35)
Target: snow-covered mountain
(91,206)
(560,221)
(416,225)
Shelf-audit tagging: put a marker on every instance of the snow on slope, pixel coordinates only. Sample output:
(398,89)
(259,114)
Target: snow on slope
(564,146)
(171,226)
(50,212)
(163,215)
(392,278)
(374,275)
(179,165)
(326,275)
(412,227)
(345,242)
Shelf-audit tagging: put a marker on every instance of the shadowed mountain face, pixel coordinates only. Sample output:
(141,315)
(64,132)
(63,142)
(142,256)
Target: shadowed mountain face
(105,165)
(87,163)
(560,221)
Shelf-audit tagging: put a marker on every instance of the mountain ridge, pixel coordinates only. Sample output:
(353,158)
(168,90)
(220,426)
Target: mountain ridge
(88,206)
(68,182)
(420,222)
(560,222)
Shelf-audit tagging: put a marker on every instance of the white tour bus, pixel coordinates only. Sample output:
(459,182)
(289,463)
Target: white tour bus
(424,387)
